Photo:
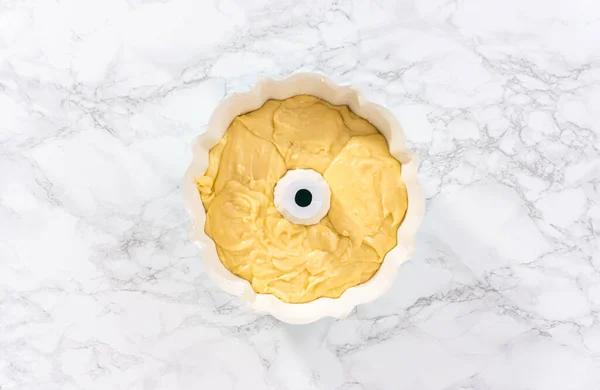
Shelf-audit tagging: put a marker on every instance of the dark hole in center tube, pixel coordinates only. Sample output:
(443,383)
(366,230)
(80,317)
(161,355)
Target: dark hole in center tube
(303,198)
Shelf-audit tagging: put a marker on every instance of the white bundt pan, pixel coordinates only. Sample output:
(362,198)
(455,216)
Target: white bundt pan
(386,123)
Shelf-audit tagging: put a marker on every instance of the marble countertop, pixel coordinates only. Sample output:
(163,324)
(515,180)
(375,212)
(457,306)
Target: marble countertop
(99,100)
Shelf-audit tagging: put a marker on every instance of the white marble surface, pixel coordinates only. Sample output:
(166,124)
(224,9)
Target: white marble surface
(99,288)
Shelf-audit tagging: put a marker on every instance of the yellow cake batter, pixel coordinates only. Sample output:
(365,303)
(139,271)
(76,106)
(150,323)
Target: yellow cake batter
(298,263)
